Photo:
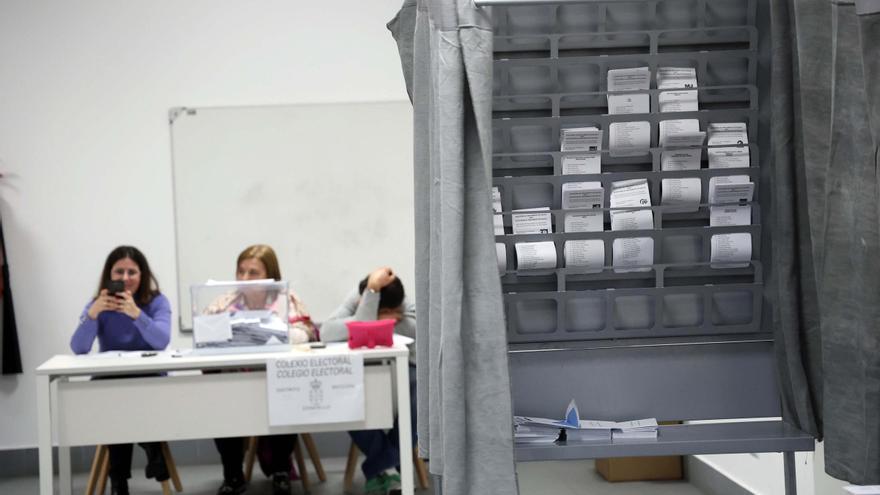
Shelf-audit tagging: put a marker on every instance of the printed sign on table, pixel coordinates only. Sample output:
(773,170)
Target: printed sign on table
(324,388)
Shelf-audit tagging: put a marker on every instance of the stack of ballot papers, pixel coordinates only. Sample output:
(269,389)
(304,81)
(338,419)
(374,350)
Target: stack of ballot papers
(686,192)
(678,78)
(629,80)
(732,193)
(629,138)
(639,429)
(681,146)
(587,141)
(496,207)
(732,133)
(631,251)
(576,429)
(501,257)
(526,431)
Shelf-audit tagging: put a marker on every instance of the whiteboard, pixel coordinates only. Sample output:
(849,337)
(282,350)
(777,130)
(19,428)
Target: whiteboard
(328,186)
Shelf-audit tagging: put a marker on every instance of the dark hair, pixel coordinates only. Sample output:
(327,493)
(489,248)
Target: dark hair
(149,287)
(267,257)
(390,297)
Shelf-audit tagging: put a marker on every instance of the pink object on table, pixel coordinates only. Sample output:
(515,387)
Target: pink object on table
(370,333)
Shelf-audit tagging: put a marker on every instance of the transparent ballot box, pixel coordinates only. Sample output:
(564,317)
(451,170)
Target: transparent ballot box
(249,316)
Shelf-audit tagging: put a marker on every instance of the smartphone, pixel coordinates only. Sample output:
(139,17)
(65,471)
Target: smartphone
(115,287)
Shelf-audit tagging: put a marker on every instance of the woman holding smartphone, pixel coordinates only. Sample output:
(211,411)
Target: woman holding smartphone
(127,314)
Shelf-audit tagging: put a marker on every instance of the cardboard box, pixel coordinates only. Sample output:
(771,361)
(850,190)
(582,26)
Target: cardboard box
(640,468)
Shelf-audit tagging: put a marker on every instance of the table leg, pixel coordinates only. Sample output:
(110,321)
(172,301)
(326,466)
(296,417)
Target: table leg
(44,435)
(65,480)
(790,473)
(404,428)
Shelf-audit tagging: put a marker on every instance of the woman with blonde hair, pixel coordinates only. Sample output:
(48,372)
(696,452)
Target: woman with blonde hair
(259,262)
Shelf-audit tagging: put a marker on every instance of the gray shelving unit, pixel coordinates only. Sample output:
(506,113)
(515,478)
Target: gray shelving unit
(683,340)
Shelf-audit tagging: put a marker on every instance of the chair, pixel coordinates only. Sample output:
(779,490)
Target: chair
(99,472)
(418,463)
(251,456)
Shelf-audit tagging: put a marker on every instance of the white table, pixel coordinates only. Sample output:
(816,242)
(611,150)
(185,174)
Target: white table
(187,404)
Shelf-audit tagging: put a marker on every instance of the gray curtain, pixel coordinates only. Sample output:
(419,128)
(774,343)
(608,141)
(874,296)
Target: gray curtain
(850,279)
(825,281)
(464,409)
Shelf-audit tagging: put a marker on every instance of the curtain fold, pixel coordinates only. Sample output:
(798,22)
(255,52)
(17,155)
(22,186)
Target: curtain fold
(464,408)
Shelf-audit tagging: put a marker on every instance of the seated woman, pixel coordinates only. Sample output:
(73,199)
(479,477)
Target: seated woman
(256,263)
(133,317)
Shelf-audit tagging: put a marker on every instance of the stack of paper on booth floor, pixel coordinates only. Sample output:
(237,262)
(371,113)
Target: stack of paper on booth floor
(587,141)
(581,430)
(631,251)
(676,78)
(537,430)
(733,133)
(639,429)
(629,80)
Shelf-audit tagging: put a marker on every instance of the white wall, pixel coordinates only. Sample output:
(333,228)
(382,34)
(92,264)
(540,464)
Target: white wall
(762,474)
(85,87)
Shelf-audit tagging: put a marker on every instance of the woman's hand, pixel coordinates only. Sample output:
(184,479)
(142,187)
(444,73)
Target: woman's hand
(380,278)
(104,302)
(127,305)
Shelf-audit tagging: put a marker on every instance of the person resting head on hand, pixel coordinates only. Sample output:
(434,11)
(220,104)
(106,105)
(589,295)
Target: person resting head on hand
(380,295)
(390,289)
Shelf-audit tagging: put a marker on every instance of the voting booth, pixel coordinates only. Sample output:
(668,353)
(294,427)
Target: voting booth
(629,163)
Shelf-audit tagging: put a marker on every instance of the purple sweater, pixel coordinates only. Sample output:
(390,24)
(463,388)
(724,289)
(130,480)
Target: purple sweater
(118,332)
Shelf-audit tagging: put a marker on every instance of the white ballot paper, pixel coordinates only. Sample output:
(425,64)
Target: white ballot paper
(212,328)
(685,192)
(532,221)
(731,250)
(322,388)
(581,139)
(687,156)
(676,127)
(728,133)
(675,78)
(587,253)
(678,101)
(501,256)
(496,207)
(632,251)
(629,138)
(630,194)
(582,163)
(584,221)
(730,191)
(583,195)
(535,255)
(638,79)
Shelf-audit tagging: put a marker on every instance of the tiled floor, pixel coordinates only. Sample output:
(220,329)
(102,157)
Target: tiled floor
(535,478)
